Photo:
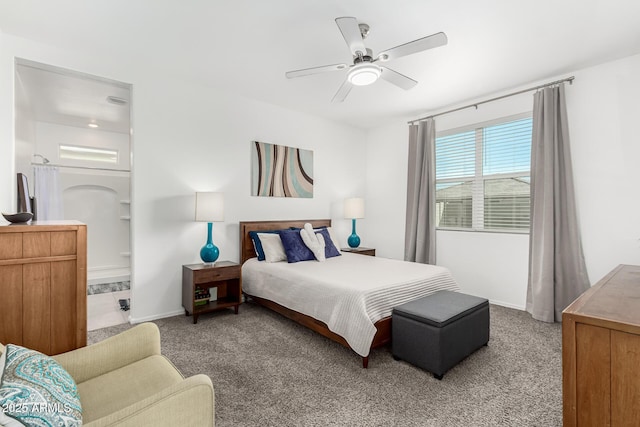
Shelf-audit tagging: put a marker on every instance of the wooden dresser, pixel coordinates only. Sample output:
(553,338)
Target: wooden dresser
(601,353)
(43,285)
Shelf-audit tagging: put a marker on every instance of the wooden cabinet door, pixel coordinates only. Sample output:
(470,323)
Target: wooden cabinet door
(625,379)
(36,307)
(63,306)
(593,370)
(11,309)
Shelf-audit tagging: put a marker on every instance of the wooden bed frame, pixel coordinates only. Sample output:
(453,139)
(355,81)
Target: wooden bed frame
(383,326)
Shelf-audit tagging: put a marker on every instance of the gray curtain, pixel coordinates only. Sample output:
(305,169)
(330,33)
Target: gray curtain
(420,229)
(557,271)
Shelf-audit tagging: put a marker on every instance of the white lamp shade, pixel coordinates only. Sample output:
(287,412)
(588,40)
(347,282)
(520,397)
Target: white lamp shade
(354,208)
(209,207)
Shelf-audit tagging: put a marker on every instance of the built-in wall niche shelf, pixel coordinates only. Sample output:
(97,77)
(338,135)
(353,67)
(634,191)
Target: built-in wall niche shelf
(125,217)
(125,253)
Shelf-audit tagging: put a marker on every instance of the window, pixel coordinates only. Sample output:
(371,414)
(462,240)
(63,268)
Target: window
(483,176)
(102,155)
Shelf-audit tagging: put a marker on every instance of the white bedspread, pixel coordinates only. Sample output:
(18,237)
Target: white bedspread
(349,293)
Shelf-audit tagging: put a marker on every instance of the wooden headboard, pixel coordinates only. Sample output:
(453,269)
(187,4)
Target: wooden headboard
(246,245)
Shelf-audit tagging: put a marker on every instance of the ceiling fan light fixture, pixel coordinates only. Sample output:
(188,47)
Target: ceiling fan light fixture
(364,74)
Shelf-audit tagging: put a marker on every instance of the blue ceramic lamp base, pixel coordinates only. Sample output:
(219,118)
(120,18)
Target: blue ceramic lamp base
(209,252)
(353,240)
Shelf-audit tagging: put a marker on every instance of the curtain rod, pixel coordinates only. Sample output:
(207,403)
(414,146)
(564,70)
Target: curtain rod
(475,104)
(80,167)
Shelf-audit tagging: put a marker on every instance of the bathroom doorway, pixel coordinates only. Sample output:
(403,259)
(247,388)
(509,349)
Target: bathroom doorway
(76,128)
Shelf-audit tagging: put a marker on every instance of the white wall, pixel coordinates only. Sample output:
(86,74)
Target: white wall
(190,138)
(604,117)
(25,134)
(7,145)
(386,194)
(603,110)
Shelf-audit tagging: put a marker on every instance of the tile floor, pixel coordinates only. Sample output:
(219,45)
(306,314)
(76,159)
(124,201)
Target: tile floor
(103,310)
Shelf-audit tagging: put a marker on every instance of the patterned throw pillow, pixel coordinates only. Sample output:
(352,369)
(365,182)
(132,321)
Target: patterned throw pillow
(36,391)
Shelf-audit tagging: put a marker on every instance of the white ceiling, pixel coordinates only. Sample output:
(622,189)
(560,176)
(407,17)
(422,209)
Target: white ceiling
(58,96)
(248,45)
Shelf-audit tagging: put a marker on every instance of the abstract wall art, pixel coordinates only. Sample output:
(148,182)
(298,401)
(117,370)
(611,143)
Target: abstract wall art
(281,171)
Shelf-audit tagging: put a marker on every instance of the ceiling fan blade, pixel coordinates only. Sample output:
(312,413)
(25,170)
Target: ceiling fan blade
(342,92)
(397,79)
(429,42)
(351,33)
(314,70)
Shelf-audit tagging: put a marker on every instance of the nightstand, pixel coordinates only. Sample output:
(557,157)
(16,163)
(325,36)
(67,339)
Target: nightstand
(200,281)
(360,250)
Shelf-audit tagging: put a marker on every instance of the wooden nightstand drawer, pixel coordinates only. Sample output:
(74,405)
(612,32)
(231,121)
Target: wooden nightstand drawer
(216,274)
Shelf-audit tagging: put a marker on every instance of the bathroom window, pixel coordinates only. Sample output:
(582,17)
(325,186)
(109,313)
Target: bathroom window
(101,155)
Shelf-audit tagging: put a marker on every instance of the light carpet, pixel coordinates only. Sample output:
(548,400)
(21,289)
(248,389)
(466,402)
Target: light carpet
(269,371)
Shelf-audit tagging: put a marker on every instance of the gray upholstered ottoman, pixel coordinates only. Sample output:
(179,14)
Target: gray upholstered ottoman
(438,331)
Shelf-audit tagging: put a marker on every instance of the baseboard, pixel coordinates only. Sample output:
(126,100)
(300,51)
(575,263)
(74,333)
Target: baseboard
(134,320)
(508,305)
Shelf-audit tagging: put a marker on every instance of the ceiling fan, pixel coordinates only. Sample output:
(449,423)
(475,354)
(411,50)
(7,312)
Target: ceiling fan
(364,70)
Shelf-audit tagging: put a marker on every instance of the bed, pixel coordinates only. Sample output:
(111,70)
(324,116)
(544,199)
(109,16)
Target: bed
(347,299)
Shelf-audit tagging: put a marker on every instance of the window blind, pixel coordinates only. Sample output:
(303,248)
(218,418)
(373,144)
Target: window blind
(483,177)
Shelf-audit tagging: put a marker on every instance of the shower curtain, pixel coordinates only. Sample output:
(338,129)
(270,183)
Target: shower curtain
(48,194)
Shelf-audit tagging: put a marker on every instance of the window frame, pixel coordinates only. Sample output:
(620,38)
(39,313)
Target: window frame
(478,179)
(65,149)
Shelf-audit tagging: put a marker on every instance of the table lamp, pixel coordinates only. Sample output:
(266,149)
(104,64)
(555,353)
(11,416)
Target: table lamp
(353,208)
(209,208)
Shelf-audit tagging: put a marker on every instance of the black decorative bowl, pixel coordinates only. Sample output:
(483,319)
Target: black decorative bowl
(18,217)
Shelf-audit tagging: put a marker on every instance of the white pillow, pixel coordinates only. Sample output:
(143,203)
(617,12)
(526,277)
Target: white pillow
(315,242)
(272,246)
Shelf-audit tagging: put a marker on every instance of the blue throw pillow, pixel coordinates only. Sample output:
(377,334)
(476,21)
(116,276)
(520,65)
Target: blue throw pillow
(294,247)
(36,391)
(257,245)
(330,249)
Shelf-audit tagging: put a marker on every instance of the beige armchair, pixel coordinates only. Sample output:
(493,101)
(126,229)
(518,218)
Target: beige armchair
(125,381)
